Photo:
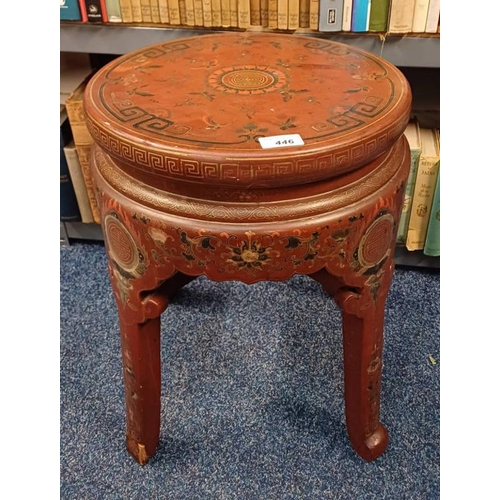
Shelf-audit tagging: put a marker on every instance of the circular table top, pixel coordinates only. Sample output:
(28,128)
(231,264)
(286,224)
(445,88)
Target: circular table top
(194,109)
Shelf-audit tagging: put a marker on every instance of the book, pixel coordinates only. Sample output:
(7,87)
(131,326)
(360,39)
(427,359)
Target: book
(293,14)
(126,11)
(216,13)
(255,12)
(207,12)
(75,173)
(379,14)
(264,13)
(69,10)
(243,13)
(136,11)
(423,194)
(146,11)
(68,205)
(83,142)
(198,12)
(347,15)
(174,12)
(190,12)
(304,13)
(401,16)
(420,16)
(163,11)
(330,15)
(432,21)
(94,10)
(273,14)
(314,14)
(412,134)
(113,10)
(282,14)
(432,239)
(155,11)
(360,15)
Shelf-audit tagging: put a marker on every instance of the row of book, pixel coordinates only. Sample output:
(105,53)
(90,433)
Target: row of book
(381,16)
(419,227)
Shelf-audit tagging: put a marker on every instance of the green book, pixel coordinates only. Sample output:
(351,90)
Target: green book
(379,14)
(431,247)
(412,134)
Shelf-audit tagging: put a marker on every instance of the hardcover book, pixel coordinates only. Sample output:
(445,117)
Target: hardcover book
(255,13)
(94,9)
(401,16)
(432,239)
(347,16)
(304,13)
(75,173)
(314,14)
(412,134)
(420,16)
(360,15)
(146,11)
(126,11)
(136,11)
(293,14)
(282,14)
(207,12)
(163,11)
(68,205)
(174,12)
(273,14)
(330,15)
(69,10)
(155,11)
(114,11)
(264,13)
(243,13)
(83,141)
(190,12)
(432,21)
(379,15)
(425,185)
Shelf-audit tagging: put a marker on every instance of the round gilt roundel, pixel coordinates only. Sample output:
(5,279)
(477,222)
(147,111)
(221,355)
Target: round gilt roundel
(247,80)
(376,242)
(121,244)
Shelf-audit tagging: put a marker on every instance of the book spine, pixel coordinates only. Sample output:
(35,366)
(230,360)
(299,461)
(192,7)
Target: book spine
(282,14)
(243,13)
(68,204)
(146,11)
(360,15)
(216,13)
(94,11)
(126,11)
(264,13)
(347,16)
(330,15)
(379,14)
(425,184)
(174,12)
(71,11)
(198,12)
(408,197)
(189,12)
(304,13)
(293,14)
(136,11)
(432,22)
(255,13)
(314,15)
(75,173)
(432,239)
(273,14)
(207,13)
(420,16)
(155,11)
(114,11)
(83,11)
(163,11)
(183,12)
(401,16)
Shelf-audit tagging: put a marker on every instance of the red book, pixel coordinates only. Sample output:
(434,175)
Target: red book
(83,11)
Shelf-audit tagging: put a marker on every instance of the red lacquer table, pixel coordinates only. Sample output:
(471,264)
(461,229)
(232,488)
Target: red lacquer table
(250,157)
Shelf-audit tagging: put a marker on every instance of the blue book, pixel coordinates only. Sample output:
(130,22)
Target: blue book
(69,10)
(360,15)
(69,204)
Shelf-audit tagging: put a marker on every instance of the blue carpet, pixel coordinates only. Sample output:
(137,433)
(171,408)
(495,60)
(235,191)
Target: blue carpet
(252,402)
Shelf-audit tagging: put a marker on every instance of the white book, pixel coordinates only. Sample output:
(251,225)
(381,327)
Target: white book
(432,22)
(347,15)
(401,16)
(420,16)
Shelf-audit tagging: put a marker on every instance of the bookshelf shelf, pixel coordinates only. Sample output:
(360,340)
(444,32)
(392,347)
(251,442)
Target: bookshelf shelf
(408,50)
